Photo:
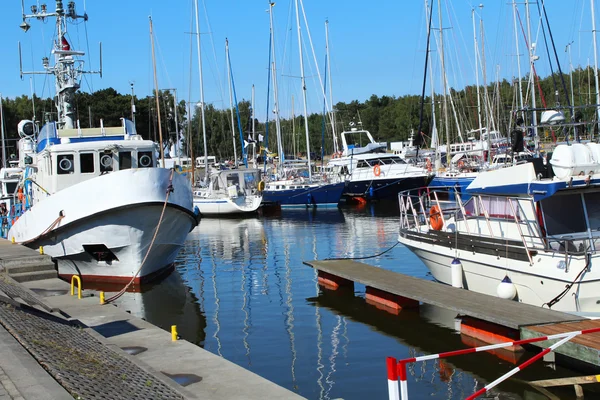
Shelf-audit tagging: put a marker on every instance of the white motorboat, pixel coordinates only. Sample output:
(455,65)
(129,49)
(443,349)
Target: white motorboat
(228,192)
(370,172)
(93,198)
(522,233)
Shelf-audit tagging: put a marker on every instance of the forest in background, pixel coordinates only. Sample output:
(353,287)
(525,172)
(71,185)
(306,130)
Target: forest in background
(388,118)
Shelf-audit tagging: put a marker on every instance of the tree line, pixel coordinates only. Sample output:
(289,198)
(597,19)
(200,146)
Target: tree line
(388,118)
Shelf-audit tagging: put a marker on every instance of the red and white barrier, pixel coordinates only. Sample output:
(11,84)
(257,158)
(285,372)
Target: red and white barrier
(401,364)
(394,394)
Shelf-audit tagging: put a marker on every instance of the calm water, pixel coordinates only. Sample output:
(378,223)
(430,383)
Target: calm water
(241,291)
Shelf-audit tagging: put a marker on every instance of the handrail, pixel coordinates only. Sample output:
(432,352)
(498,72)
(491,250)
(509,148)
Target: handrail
(512,207)
(486,215)
(400,373)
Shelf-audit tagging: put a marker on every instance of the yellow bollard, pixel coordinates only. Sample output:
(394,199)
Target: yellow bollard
(174,333)
(41,250)
(78,279)
(102,298)
(13,240)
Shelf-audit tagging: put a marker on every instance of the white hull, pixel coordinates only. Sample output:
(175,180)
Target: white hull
(226,205)
(117,212)
(536,285)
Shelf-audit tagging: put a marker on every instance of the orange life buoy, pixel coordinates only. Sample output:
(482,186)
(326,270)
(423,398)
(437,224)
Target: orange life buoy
(461,164)
(435,218)
(377,170)
(428,164)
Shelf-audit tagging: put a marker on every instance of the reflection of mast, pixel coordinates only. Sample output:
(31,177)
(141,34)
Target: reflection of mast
(289,315)
(245,309)
(217,304)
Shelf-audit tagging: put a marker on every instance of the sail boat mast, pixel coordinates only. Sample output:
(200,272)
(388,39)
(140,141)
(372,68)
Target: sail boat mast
(231,103)
(331,112)
(303,83)
(595,62)
(2,131)
(206,169)
(160,138)
(444,84)
(532,79)
(253,131)
(477,75)
(518,55)
(273,67)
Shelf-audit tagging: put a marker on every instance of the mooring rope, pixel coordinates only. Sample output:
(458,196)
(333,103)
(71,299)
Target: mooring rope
(162,214)
(363,258)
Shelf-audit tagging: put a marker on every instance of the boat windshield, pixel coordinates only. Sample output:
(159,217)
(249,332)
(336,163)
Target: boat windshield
(565,214)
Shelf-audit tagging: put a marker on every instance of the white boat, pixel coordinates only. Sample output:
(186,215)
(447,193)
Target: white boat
(522,234)
(370,172)
(94,198)
(230,192)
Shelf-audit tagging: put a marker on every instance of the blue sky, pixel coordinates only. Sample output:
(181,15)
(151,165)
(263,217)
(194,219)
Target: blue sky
(376,47)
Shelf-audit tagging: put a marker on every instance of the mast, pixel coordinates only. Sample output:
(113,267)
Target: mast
(595,63)
(160,138)
(231,103)
(294,128)
(275,90)
(2,132)
(489,118)
(518,54)
(303,83)
(532,79)
(132,104)
(177,149)
(206,169)
(331,113)
(568,48)
(67,70)
(253,130)
(477,74)
(444,84)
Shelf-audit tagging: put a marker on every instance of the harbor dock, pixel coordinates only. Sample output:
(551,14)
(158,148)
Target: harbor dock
(54,346)
(488,318)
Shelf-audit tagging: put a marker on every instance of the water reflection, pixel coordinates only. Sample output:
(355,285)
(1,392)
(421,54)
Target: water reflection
(262,309)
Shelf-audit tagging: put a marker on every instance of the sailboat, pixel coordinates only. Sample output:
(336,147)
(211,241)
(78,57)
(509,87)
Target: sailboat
(93,198)
(294,185)
(227,191)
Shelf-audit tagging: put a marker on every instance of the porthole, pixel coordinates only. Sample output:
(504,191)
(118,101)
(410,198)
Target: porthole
(65,164)
(145,161)
(106,160)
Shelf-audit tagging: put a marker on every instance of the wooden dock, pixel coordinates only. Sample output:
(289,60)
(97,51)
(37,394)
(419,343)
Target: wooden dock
(506,313)
(523,321)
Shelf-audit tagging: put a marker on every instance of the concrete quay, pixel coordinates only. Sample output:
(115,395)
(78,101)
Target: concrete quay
(204,374)
(53,344)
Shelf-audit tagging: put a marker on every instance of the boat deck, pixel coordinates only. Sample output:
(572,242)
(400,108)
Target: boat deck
(506,313)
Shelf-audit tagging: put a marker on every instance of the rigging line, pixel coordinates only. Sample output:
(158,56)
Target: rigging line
(424,77)
(570,285)
(363,258)
(212,42)
(89,53)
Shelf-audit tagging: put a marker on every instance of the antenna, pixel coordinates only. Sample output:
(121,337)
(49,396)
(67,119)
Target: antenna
(100,72)
(20,62)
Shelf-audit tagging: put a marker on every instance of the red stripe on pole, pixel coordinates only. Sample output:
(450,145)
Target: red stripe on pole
(591,330)
(391,369)
(402,371)
(477,393)
(458,352)
(534,359)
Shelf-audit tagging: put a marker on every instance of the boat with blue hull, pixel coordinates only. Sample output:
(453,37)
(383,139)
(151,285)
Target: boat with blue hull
(294,194)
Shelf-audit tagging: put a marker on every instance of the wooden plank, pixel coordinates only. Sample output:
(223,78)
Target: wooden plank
(584,347)
(488,308)
(576,380)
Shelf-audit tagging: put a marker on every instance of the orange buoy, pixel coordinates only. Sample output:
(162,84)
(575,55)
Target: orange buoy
(377,170)
(435,218)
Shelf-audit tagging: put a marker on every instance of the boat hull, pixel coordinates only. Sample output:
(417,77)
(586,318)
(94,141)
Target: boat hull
(104,237)
(483,273)
(308,196)
(382,189)
(227,206)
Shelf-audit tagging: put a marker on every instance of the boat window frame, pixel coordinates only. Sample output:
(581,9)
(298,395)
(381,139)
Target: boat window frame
(92,164)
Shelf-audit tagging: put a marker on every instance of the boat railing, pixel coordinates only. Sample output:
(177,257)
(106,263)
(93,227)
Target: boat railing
(416,212)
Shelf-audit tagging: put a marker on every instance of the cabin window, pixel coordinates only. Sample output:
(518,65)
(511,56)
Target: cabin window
(144,159)
(592,205)
(124,160)
(564,214)
(362,164)
(65,164)
(106,162)
(86,163)
(11,187)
